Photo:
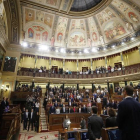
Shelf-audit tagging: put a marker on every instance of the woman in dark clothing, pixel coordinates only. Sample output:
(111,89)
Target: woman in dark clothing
(37,122)
(111,120)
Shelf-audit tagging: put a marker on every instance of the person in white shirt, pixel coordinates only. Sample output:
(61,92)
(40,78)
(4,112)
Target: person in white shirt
(112,69)
(37,106)
(40,70)
(67,71)
(80,72)
(57,110)
(98,99)
(78,96)
(98,91)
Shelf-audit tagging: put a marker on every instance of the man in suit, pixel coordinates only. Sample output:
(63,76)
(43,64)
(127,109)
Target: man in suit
(84,109)
(95,125)
(56,104)
(3,103)
(52,109)
(25,119)
(74,103)
(63,109)
(128,118)
(31,119)
(113,105)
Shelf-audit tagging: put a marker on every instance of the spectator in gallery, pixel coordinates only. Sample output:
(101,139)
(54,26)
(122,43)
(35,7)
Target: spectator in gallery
(40,70)
(81,72)
(111,120)
(95,125)
(69,103)
(83,123)
(57,110)
(105,111)
(55,104)
(74,109)
(74,103)
(67,71)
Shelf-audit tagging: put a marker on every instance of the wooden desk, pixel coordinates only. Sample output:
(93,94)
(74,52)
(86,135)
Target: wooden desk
(56,120)
(77,133)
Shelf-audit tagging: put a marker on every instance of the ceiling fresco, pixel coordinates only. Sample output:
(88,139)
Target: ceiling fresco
(116,21)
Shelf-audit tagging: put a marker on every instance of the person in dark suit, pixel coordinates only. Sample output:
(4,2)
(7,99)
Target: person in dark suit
(52,109)
(25,119)
(63,109)
(83,123)
(84,109)
(111,120)
(31,119)
(74,103)
(22,115)
(56,104)
(95,125)
(58,99)
(128,118)
(113,105)
(104,111)
(3,103)
(37,121)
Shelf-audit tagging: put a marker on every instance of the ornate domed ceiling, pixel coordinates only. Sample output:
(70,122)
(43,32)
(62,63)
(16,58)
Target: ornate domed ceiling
(118,20)
(83,5)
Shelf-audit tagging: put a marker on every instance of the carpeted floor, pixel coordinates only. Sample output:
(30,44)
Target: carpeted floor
(24,135)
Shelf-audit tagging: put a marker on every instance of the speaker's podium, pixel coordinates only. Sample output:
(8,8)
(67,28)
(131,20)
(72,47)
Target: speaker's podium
(112,133)
(99,106)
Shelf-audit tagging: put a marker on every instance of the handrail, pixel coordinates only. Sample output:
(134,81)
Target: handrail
(39,117)
(15,126)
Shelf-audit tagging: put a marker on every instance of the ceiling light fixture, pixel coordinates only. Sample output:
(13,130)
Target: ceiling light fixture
(86,51)
(94,50)
(24,44)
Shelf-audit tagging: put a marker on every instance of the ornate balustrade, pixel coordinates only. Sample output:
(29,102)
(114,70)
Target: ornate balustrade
(128,70)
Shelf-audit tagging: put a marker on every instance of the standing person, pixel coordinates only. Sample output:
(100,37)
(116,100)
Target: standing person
(31,119)
(83,123)
(128,118)
(66,122)
(26,118)
(95,125)
(37,121)
(22,115)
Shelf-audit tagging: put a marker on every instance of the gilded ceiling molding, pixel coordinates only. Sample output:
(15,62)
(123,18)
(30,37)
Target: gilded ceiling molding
(102,5)
(132,3)
(3,38)
(87,28)
(12,11)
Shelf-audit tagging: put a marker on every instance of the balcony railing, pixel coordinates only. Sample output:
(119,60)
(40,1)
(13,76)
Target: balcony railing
(128,70)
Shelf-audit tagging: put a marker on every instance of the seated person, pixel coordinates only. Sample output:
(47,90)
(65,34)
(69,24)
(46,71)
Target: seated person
(66,122)
(79,109)
(84,109)
(74,103)
(83,123)
(111,120)
(80,103)
(52,109)
(63,109)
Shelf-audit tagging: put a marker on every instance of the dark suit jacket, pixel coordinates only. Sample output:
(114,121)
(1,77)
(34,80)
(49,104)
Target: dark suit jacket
(114,105)
(61,110)
(128,119)
(3,104)
(84,110)
(52,110)
(111,122)
(83,124)
(95,125)
(24,117)
(33,117)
